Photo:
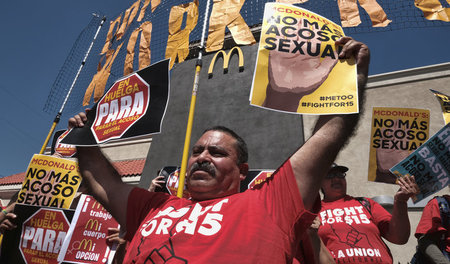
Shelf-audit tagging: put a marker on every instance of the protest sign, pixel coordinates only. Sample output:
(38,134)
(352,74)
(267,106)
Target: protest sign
(396,132)
(50,181)
(134,106)
(297,68)
(86,238)
(429,164)
(58,148)
(171,176)
(257,177)
(444,100)
(38,237)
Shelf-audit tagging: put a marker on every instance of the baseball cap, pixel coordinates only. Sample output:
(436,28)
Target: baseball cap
(336,171)
(334,166)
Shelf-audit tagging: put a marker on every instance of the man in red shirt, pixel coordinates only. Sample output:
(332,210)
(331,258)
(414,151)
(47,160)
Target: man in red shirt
(219,224)
(433,232)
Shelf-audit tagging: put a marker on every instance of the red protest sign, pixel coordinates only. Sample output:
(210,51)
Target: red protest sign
(134,106)
(172,184)
(42,236)
(260,178)
(66,150)
(122,106)
(86,239)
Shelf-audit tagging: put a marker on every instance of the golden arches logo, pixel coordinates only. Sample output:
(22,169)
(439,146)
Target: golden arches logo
(95,203)
(92,222)
(85,243)
(226,60)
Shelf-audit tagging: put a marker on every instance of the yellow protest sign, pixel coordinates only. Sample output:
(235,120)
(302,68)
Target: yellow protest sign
(50,181)
(297,69)
(396,133)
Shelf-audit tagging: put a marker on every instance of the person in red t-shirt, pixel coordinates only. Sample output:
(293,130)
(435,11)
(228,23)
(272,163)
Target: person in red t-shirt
(311,249)
(433,233)
(220,224)
(352,228)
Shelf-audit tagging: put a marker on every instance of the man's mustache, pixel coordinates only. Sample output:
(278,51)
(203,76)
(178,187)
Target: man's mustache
(204,166)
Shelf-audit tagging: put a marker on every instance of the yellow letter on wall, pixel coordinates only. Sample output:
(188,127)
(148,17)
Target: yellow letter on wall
(130,14)
(226,13)
(99,80)
(109,37)
(433,10)
(144,48)
(155,3)
(350,14)
(115,33)
(178,41)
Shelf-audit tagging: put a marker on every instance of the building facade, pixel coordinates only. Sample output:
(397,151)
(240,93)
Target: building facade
(402,89)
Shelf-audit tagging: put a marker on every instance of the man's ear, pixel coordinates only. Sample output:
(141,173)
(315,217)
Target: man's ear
(243,170)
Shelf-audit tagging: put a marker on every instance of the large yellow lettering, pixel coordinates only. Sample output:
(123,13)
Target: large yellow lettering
(144,48)
(433,10)
(350,14)
(116,32)
(226,13)
(155,3)
(112,25)
(178,41)
(99,80)
(130,14)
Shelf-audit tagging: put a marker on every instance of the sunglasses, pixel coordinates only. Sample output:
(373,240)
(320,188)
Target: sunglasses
(336,174)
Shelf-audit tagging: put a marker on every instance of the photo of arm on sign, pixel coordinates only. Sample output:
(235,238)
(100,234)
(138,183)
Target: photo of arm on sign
(396,133)
(297,69)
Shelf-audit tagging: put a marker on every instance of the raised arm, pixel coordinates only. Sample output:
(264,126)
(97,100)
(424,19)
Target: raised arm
(321,253)
(6,218)
(399,226)
(101,178)
(313,160)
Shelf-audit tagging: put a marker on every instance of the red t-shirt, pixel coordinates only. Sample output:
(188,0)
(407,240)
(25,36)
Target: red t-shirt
(431,222)
(352,234)
(305,251)
(260,225)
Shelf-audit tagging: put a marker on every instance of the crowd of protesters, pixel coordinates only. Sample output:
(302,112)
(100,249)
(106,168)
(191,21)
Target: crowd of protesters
(279,221)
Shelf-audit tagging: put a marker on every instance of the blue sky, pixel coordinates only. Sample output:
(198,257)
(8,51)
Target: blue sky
(38,35)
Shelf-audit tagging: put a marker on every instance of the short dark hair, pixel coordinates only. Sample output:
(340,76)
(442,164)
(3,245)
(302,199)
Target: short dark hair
(241,146)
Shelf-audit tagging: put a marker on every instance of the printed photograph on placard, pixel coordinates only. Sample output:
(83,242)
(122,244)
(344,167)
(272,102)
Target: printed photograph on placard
(298,69)
(396,133)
